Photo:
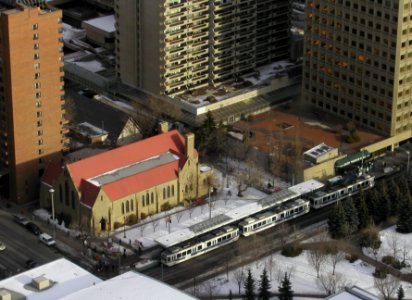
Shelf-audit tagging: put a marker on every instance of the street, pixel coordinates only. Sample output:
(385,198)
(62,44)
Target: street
(21,245)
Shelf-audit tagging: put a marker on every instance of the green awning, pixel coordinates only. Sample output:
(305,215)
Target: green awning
(352,158)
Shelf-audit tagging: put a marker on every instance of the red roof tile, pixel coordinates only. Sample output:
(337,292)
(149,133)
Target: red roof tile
(89,193)
(88,168)
(141,181)
(53,170)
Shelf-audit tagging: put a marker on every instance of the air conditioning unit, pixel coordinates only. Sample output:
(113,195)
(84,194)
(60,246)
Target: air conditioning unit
(5,294)
(41,283)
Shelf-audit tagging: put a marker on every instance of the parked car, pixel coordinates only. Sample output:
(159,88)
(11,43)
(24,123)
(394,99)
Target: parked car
(20,219)
(2,246)
(47,239)
(30,264)
(33,228)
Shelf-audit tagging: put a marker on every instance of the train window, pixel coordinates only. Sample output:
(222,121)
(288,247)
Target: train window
(208,244)
(179,255)
(219,240)
(199,248)
(273,219)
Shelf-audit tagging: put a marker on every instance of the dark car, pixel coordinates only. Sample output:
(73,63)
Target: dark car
(20,219)
(30,264)
(33,228)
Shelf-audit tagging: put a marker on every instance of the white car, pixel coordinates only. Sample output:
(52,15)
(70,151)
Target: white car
(2,246)
(47,239)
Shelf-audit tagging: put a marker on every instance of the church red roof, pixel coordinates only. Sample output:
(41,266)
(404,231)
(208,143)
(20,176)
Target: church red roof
(121,157)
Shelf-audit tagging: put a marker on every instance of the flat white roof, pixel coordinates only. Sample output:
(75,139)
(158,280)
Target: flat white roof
(318,150)
(306,186)
(105,23)
(130,286)
(66,278)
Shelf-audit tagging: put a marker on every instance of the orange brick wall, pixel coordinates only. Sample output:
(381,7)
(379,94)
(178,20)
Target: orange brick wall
(23,113)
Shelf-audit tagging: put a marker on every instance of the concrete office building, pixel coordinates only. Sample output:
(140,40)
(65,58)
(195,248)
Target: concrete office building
(169,47)
(31,96)
(358,61)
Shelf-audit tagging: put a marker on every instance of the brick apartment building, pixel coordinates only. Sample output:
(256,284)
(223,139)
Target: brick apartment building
(31,96)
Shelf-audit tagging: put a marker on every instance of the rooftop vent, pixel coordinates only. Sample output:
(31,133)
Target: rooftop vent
(5,295)
(41,283)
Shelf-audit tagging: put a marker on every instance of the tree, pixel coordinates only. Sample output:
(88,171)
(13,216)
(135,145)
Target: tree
(332,283)
(337,224)
(316,257)
(363,213)
(249,287)
(384,203)
(239,276)
(400,294)
(372,201)
(230,295)
(394,191)
(285,289)
(386,286)
(351,216)
(264,286)
(404,224)
(335,254)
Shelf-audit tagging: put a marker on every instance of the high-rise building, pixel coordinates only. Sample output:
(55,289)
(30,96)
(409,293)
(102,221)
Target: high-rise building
(358,61)
(170,47)
(31,95)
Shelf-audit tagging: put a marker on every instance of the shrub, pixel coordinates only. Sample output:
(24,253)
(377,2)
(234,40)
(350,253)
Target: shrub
(370,238)
(132,219)
(117,225)
(165,206)
(380,273)
(143,216)
(352,258)
(388,259)
(291,250)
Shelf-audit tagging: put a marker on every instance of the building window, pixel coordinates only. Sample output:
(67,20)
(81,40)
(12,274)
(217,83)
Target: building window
(40,151)
(35,26)
(173,190)
(36,66)
(39,132)
(36,56)
(127,206)
(143,200)
(40,142)
(168,192)
(131,204)
(36,46)
(152,198)
(37,85)
(164,193)
(122,208)
(36,75)
(35,36)
(147,199)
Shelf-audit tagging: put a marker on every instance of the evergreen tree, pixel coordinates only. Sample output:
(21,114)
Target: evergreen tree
(372,201)
(285,290)
(337,225)
(383,212)
(249,287)
(351,215)
(400,294)
(404,224)
(264,286)
(206,134)
(363,214)
(230,295)
(394,191)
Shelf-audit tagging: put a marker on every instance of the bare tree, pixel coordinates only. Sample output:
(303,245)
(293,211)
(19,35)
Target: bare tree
(386,286)
(239,276)
(209,288)
(317,254)
(154,222)
(178,215)
(405,249)
(332,283)
(142,227)
(394,245)
(270,265)
(336,254)
(280,273)
(191,209)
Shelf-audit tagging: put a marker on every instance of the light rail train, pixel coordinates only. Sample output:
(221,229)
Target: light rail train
(283,210)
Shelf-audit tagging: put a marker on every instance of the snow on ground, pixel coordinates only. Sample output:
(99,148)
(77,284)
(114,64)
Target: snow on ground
(394,240)
(303,275)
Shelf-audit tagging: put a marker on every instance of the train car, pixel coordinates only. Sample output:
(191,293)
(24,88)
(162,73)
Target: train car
(198,246)
(279,214)
(335,193)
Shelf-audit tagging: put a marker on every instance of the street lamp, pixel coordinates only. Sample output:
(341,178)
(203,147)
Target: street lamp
(407,166)
(210,205)
(124,226)
(51,191)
